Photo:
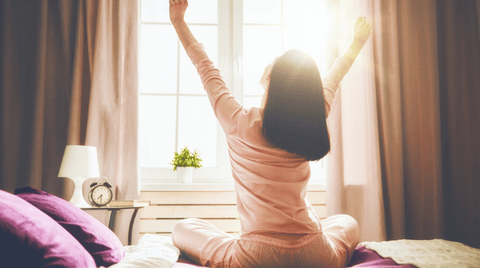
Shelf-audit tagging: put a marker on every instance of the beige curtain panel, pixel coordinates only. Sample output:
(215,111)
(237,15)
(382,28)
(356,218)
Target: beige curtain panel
(405,158)
(68,76)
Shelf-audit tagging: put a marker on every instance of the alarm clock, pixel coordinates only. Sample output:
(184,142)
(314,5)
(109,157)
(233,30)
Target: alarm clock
(100,193)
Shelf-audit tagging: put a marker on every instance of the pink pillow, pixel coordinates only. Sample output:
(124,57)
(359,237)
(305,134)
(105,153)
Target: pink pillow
(104,246)
(30,238)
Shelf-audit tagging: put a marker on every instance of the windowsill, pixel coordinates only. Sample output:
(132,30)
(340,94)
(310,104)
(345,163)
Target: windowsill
(204,187)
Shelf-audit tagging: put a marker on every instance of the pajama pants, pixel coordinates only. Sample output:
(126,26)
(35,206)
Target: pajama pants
(206,245)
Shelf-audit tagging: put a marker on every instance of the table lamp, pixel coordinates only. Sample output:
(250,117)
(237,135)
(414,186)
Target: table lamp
(79,163)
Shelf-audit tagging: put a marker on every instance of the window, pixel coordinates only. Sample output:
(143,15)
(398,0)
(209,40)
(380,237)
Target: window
(241,37)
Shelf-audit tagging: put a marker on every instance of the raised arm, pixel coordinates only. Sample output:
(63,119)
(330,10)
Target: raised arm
(177,15)
(224,105)
(332,79)
(361,33)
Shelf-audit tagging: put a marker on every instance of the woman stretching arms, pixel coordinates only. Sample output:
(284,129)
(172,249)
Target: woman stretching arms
(270,148)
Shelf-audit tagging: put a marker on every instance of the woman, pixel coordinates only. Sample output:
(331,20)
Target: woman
(270,148)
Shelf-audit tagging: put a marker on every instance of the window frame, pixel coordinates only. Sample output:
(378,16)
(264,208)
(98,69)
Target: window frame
(230,57)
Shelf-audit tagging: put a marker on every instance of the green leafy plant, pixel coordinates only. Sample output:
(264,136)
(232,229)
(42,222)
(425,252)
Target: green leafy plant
(186,158)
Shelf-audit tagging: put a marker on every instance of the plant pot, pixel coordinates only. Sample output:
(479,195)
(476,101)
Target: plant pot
(185,174)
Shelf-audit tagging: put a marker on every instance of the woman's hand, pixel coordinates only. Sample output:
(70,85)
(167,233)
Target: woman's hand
(177,10)
(177,14)
(361,30)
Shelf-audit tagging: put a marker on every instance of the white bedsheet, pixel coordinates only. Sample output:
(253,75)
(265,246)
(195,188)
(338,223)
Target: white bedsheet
(434,253)
(151,251)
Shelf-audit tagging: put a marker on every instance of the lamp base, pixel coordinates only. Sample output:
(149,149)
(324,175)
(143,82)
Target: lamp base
(77,198)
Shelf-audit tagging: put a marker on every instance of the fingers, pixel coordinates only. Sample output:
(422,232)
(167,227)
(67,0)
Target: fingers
(177,10)
(362,23)
(362,30)
(173,2)
(359,20)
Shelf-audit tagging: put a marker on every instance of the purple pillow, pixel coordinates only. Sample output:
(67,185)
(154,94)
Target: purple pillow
(104,246)
(30,238)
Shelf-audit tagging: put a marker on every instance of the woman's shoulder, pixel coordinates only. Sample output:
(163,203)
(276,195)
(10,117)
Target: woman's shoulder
(250,122)
(252,114)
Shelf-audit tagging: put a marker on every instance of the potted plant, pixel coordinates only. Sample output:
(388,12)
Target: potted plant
(184,163)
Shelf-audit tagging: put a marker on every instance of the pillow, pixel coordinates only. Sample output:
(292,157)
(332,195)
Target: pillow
(30,238)
(104,246)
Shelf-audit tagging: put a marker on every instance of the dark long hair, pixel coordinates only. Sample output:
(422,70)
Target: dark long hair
(294,115)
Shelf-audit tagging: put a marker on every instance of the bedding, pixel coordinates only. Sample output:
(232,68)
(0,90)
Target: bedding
(151,251)
(102,244)
(436,253)
(30,238)
(363,257)
(157,251)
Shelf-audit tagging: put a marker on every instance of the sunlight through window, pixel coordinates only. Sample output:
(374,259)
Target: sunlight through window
(174,109)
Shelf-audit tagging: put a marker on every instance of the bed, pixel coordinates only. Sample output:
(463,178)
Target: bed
(38,229)
(148,248)
(388,254)
(362,257)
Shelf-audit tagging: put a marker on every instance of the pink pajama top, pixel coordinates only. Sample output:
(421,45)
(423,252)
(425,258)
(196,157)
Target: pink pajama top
(270,183)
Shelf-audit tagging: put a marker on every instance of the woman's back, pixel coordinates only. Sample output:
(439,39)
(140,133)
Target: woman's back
(270,182)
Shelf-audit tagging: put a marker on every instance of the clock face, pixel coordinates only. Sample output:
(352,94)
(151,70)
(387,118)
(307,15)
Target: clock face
(101,195)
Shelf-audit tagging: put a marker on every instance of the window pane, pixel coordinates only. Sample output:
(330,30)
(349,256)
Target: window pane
(319,171)
(190,82)
(201,11)
(154,11)
(301,38)
(157,130)
(261,45)
(158,59)
(252,101)
(197,128)
(262,11)
(302,12)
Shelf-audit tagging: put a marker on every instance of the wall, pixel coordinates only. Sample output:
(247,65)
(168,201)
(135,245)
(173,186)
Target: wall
(219,208)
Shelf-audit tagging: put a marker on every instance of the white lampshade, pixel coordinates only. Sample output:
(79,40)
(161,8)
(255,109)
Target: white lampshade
(79,161)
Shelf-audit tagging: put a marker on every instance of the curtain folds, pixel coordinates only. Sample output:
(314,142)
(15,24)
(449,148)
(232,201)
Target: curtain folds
(388,94)
(420,119)
(36,46)
(354,160)
(404,127)
(68,76)
(459,87)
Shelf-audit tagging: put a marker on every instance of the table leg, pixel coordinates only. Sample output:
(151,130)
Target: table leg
(130,229)
(111,222)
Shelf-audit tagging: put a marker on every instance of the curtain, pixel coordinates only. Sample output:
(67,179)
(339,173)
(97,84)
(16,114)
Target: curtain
(69,76)
(354,183)
(365,123)
(36,76)
(459,87)
(404,127)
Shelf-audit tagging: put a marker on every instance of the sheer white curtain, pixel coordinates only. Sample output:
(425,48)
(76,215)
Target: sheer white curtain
(385,165)
(354,184)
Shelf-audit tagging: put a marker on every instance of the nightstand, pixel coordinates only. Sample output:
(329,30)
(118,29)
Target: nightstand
(113,213)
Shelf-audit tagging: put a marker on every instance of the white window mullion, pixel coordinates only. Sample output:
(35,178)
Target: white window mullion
(177,112)
(237,53)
